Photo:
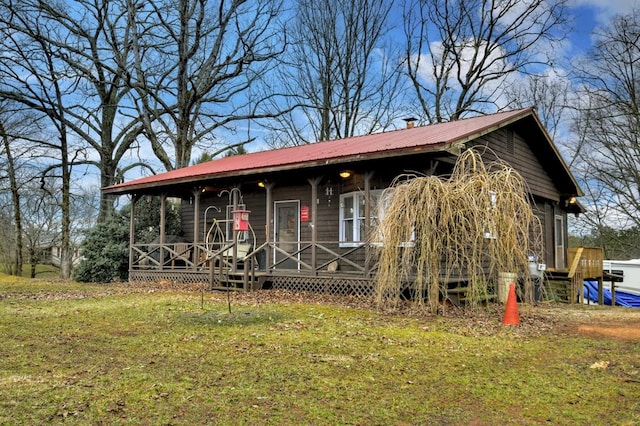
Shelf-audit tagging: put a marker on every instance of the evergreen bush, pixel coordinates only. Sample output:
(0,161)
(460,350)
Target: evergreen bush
(105,252)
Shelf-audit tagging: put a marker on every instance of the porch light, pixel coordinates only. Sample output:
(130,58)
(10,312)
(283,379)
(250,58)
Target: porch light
(345,174)
(261,184)
(572,200)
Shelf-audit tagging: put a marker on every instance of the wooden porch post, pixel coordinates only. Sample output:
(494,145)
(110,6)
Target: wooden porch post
(367,221)
(132,230)
(600,291)
(314,215)
(196,226)
(163,221)
(269,222)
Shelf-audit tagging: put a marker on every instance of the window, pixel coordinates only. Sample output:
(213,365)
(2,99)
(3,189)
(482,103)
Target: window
(490,231)
(559,241)
(352,216)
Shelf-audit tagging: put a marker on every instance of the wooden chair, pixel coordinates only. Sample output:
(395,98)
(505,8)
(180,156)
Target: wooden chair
(182,252)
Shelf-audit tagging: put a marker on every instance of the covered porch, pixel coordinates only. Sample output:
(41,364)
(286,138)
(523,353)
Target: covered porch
(217,254)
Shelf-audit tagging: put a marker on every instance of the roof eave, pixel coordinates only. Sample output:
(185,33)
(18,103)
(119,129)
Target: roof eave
(578,190)
(133,188)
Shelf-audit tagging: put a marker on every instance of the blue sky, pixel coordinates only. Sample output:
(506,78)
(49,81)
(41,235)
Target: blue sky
(589,14)
(585,14)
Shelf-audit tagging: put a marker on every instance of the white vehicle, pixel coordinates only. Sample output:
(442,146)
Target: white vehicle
(631,275)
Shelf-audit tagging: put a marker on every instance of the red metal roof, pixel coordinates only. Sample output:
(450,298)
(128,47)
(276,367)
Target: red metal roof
(335,151)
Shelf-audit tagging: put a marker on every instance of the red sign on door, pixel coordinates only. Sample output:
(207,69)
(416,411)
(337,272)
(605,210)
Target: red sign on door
(304,213)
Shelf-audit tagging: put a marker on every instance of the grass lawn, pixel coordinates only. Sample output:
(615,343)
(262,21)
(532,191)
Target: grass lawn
(42,271)
(95,354)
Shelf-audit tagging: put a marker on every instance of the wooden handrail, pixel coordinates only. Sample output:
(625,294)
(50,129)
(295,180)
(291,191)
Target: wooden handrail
(586,263)
(587,260)
(145,255)
(576,262)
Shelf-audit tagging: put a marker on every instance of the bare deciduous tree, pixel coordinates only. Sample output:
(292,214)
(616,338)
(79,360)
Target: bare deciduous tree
(609,125)
(460,53)
(89,52)
(33,196)
(194,64)
(16,269)
(554,98)
(17,127)
(339,77)
(549,94)
(33,76)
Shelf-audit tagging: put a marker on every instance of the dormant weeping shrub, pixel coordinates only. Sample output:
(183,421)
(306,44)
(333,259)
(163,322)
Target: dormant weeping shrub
(474,224)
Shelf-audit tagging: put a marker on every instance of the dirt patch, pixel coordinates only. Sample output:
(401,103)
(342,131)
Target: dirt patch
(618,330)
(595,321)
(544,319)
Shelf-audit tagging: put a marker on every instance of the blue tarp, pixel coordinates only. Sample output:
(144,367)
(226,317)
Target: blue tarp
(622,299)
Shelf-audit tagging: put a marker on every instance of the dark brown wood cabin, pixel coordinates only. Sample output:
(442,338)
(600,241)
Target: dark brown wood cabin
(312,206)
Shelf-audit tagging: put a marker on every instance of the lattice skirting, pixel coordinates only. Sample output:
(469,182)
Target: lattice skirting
(333,285)
(175,277)
(329,285)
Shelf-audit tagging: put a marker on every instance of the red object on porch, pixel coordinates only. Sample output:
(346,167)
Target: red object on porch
(241,220)
(304,214)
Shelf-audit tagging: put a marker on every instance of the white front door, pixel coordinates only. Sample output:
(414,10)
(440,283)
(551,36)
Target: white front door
(287,233)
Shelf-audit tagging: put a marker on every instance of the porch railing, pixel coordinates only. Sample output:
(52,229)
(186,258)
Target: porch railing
(585,263)
(325,257)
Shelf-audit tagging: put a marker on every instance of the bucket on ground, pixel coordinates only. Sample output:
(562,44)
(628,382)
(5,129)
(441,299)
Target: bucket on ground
(504,279)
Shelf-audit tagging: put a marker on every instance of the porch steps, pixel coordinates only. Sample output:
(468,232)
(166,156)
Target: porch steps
(558,285)
(227,280)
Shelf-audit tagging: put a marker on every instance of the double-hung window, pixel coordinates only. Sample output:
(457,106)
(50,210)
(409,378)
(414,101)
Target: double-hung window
(490,231)
(352,216)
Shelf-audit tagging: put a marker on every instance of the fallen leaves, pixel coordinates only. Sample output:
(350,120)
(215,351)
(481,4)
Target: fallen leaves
(599,365)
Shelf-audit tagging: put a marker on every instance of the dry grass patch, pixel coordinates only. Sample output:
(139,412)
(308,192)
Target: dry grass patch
(156,357)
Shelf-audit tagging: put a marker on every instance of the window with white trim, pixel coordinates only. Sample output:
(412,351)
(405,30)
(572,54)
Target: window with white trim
(383,202)
(352,216)
(490,231)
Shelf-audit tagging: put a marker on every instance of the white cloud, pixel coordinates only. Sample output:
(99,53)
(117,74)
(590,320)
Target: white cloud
(605,10)
(492,90)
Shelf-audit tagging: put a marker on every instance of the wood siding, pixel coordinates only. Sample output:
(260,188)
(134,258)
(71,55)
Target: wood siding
(504,144)
(522,158)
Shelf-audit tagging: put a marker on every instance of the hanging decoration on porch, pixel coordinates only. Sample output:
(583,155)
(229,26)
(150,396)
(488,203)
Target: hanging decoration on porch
(328,191)
(304,213)
(474,225)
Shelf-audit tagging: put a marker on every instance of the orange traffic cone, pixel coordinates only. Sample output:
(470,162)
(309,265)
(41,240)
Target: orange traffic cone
(511,316)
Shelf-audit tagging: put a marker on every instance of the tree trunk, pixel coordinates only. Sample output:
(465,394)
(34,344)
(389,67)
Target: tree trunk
(65,260)
(33,260)
(15,195)
(108,171)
